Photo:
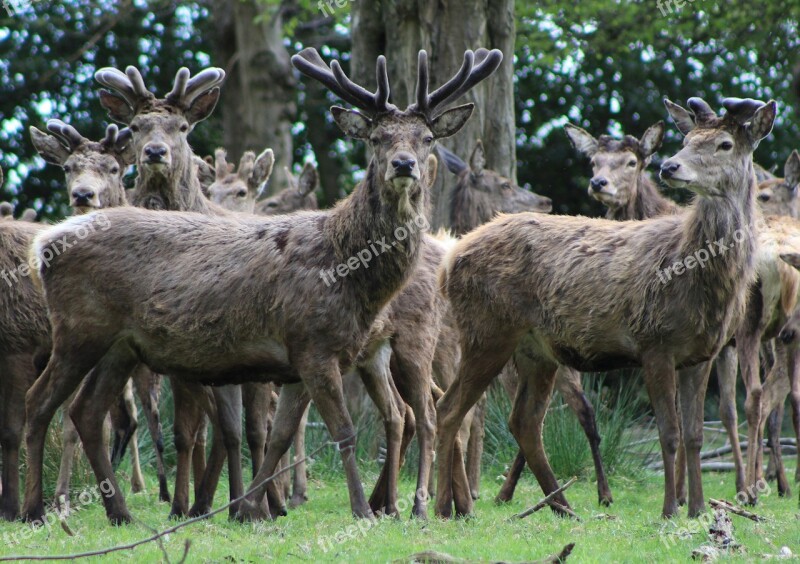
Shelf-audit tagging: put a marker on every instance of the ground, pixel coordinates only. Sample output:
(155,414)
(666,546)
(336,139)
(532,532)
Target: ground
(630,531)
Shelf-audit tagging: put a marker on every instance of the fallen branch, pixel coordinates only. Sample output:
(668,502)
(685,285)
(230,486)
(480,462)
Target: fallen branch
(558,507)
(729,507)
(157,536)
(546,500)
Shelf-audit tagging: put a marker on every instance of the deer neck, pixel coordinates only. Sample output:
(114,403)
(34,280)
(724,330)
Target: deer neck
(647,201)
(467,210)
(375,222)
(177,189)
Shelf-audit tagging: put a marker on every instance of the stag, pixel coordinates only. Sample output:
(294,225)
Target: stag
(277,263)
(25,335)
(584,293)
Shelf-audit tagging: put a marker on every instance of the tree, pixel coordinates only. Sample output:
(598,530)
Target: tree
(400,28)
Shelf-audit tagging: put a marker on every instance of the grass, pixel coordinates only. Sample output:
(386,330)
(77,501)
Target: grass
(630,531)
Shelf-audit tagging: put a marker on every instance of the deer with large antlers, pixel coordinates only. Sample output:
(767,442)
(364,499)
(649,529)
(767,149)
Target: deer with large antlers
(285,321)
(25,334)
(549,290)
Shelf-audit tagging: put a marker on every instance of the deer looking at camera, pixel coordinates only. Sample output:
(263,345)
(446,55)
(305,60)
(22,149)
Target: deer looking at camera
(25,335)
(549,290)
(231,338)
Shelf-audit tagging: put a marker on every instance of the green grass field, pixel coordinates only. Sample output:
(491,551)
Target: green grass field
(322,530)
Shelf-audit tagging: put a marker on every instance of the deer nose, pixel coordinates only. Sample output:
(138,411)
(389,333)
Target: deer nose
(403,165)
(82,194)
(598,183)
(668,169)
(155,151)
(787,335)
(764,197)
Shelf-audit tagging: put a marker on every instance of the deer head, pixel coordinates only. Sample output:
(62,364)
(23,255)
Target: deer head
(93,169)
(616,163)
(160,126)
(402,141)
(717,151)
(299,195)
(778,196)
(237,190)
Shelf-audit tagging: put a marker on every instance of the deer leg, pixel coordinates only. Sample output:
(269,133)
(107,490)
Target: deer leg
(510,382)
(748,338)
(102,387)
(568,383)
(412,364)
(536,379)
(726,375)
(69,435)
(659,378)
(125,423)
(148,388)
(188,418)
(292,404)
(775,468)
(199,452)
(775,389)
(693,383)
(792,365)
(17,372)
(65,370)
(479,365)
(680,458)
(475,447)
(375,372)
(299,476)
(256,398)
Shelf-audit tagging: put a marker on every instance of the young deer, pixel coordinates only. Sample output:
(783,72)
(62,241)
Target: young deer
(299,195)
(25,335)
(778,196)
(284,322)
(479,196)
(552,290)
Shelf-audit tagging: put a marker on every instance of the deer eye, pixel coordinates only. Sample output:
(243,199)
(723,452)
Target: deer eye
(67,169)
(114,170)
(184,128)
(428,139)
(725,146)
(272,204)
(631,164)
(506,186)
(134,128)
(241,193)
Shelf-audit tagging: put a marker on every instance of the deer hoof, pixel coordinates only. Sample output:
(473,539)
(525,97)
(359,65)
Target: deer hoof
(249,512)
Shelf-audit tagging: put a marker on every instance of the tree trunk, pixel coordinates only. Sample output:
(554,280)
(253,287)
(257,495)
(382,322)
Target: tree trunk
(400,28)
(258,100)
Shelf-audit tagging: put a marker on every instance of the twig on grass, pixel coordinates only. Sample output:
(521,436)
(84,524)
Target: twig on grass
(729,507)
(546,500)
(155,537)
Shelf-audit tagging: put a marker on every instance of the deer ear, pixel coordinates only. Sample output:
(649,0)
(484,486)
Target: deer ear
(354,124)
(792,259)
(581,139)
(453,163)
(761,124)
(431,166)
(262,169)
(682,118)
(308,180)
(205,174)
(124,146)
(118,109)
(49,147)
(652,138)
(478,159)
(791,170)
(449,122)
(202,106)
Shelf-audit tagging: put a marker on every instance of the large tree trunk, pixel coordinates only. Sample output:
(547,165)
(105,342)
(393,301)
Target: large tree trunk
(258,100)
(400,28)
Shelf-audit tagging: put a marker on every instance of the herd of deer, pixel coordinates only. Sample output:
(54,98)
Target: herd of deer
(187,275)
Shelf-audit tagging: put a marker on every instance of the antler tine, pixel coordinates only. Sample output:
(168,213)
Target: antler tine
(311,64)
(741,109)
(246,165)
(381,97)
(220,164)
(66,133)
(422,82)
(438,95)
(202,82)
(366,99)
(701,109)
(110,139)
(137,82)
(179,87)
(117,81)
(483,67)
(123,138)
